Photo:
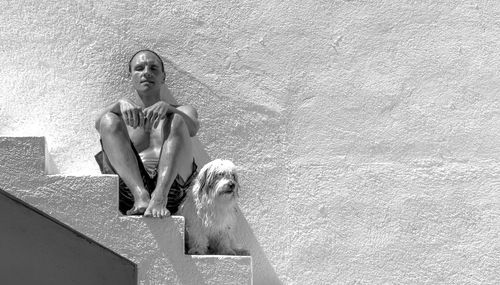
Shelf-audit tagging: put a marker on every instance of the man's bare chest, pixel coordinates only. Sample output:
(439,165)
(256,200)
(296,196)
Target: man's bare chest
(151,140)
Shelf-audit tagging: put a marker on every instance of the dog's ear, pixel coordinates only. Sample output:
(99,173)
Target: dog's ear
(236,178)
(205,178)
(200,182)
(210,178)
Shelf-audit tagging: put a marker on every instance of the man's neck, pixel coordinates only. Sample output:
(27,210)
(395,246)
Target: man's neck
(149,99)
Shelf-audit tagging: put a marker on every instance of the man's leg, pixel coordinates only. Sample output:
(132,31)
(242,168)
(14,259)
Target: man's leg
(176,158)
(116,145)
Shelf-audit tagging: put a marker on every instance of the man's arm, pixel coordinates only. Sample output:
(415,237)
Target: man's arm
(187,112)
(130,113)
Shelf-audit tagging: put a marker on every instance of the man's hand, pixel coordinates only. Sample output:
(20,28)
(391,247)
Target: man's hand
(131,113)
(156,112)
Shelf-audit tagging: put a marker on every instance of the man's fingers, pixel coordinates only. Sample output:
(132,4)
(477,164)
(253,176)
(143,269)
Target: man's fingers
(147,120)
(134,119)
(154,117)
(126,117)
(158,120)
(147,124)
(141,119)
(148,116)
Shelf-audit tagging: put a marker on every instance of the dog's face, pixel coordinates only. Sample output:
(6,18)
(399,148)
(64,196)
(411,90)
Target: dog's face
(219,181)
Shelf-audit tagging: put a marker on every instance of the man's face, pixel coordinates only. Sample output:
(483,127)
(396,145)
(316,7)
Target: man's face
(146,72)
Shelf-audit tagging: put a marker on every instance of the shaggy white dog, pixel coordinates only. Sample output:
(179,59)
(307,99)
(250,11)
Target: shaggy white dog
(210,210)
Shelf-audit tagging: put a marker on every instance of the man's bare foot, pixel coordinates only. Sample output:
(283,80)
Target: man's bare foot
(140,205)
(157,207)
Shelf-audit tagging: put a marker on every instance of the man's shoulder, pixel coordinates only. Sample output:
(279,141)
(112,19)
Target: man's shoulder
(168,98)
(172,103)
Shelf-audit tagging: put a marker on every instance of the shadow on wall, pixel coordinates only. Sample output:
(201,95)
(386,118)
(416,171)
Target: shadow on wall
(222,110)
(263,271)
(186,270)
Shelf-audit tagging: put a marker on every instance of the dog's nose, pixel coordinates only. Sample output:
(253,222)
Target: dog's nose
(231,185)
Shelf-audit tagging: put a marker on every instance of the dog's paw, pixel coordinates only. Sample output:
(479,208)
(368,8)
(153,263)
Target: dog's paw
(227,251)
(196,251)
(241,251)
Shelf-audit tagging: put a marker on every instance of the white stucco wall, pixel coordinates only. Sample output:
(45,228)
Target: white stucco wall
(366,131)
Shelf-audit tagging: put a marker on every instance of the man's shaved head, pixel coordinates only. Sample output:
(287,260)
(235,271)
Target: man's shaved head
(145,50)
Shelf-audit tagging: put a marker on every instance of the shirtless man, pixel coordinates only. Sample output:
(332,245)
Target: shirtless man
(148,143)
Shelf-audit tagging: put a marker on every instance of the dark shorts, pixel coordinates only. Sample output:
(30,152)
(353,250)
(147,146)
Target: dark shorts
(126,200)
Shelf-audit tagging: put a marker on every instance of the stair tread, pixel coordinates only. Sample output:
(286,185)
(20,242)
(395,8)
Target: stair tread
(89,204)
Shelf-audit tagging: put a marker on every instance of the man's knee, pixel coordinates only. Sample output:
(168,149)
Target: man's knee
(110,123)
(178,126)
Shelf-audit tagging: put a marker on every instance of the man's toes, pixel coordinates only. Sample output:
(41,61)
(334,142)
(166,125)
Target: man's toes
(194,251)
(130,212)
(156,213)
(164,213)
(135,211)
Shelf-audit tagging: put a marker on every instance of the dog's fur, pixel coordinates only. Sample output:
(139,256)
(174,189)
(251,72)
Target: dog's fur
(210,210)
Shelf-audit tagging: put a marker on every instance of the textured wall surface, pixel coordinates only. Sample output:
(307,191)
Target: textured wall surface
(367,131)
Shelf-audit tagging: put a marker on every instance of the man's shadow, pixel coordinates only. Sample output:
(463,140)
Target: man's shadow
(186,89)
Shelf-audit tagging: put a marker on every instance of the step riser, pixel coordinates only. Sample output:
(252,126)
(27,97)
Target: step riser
(89,204)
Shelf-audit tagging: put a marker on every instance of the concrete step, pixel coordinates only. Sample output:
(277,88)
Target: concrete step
(89,204)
